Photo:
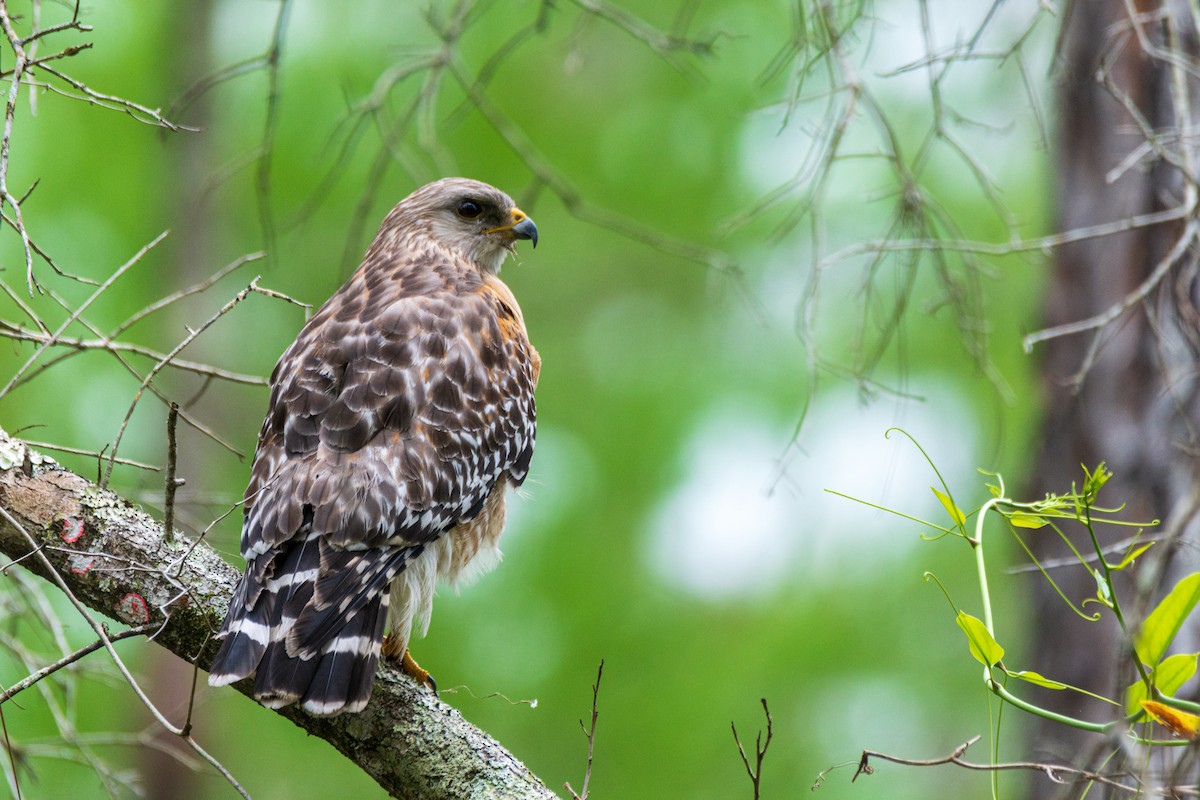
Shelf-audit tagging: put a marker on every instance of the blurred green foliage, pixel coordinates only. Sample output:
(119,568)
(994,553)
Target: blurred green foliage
(674,524)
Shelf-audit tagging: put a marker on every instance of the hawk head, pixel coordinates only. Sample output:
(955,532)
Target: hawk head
(471,219)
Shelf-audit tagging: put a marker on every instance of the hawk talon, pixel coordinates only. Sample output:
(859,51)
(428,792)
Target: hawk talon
(410,667)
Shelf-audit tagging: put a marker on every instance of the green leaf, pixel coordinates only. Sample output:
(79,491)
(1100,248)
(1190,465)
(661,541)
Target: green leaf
(984,647)
(1160,627)
(1130,557)
(1022,520)
(1103,590)
(1134,695)
(955,512)
(1173,672)
(1037,680)
(1094,481)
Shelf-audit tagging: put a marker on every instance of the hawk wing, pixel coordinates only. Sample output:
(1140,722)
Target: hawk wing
(393,416)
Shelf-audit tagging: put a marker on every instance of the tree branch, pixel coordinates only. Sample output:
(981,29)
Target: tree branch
(115,560)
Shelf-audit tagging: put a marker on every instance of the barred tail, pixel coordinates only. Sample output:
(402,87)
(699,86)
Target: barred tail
(339,678)
(245,633)
(313,634)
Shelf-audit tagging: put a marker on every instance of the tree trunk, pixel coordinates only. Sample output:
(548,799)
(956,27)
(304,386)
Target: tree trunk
(1126,392)
(188,38)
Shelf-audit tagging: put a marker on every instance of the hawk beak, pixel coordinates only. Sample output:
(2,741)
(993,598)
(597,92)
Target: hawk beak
(521,227)
(525,229)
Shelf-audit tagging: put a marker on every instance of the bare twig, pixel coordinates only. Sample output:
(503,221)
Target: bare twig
(590,732)
(263,172)
(175,297)
(760,751)
(281,296)
(73,25)
(187,340)
(66,52)
(115,349)
(20,62)
(71,658)
(1185,240)
(12,758)
(25,63)
(137,111)
(10,331)
(1055,772)
(78,451)
(1076,560)
(171,485)
(666,45)
(204,84)
(78,311)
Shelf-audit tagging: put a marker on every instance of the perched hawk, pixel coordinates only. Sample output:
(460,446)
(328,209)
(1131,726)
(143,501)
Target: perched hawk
(397,419)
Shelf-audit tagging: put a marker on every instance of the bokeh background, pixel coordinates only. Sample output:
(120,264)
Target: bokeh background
(704,383)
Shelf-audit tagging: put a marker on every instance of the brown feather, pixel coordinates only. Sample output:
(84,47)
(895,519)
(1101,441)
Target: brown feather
(396,420)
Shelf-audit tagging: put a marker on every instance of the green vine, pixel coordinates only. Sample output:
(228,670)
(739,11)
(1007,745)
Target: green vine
(1159,674)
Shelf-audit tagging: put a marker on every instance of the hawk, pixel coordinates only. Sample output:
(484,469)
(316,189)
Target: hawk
(397,419)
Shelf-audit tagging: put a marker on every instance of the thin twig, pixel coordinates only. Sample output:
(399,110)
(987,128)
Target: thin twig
(53,339)
(202,286)
(114,351)
(78,451)
(281,296)
(263,172)
(12,758)
(1076,560)
(1134,297)
(10,331)
(665,45)
(187,340)
(171,485)
(137,111)
(67,52)
(71,658)
(42,254)
(760,751)
(1055,772)
(204,84)
(73,25)
(590,732)
(177,568)
(20,60)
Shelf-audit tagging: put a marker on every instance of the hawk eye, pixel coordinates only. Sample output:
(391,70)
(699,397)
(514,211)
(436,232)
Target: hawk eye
(469,209)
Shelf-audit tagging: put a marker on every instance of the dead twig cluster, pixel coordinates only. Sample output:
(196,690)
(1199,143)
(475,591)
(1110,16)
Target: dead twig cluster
(26,66)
